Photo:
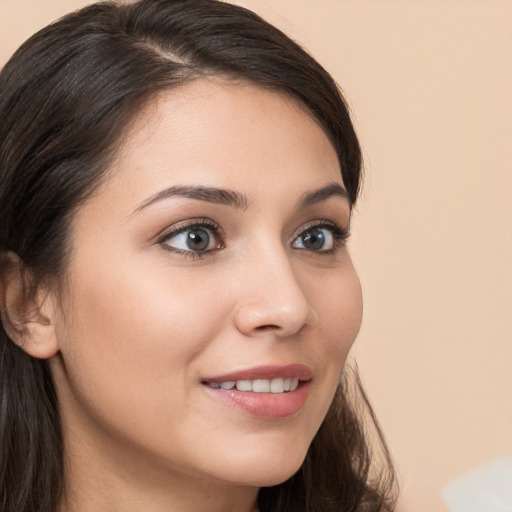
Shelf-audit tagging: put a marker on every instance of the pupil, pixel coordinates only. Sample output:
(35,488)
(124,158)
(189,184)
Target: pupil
(198,240)
(314,239)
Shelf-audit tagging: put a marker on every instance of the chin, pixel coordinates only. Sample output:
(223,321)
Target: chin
(269,477)
(276,476)
(269,469)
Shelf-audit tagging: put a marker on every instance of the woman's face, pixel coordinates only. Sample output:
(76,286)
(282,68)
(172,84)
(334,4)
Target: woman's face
(210,301)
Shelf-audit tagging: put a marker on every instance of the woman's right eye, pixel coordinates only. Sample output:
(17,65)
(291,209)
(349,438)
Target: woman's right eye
(193,240)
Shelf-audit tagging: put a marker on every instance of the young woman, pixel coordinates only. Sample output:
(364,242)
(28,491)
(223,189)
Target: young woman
(177,296)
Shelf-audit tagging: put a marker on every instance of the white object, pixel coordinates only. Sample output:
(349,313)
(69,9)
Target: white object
(485,489)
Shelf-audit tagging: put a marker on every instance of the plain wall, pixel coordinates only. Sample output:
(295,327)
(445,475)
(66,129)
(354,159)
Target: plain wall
(430,86)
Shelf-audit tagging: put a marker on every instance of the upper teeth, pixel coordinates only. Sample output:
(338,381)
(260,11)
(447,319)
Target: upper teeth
(258,385)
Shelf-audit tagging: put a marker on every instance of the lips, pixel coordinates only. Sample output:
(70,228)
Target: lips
(270,392)
(290,371)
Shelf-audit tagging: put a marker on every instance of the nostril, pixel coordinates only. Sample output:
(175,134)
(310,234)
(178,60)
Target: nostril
(270,327)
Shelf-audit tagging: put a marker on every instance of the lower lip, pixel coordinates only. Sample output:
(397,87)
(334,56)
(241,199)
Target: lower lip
(265,405)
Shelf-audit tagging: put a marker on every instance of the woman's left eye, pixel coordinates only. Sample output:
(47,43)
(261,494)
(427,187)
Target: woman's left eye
(194,239)
(320,238)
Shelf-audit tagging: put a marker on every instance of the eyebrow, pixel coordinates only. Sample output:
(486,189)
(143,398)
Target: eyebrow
(208,194)
(322,194)
(235,199)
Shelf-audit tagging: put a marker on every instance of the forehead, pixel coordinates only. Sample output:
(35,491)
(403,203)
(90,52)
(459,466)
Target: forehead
(238,136)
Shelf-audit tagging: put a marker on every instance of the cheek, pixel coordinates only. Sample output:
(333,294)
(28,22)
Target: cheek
(136,331)
(131,346)
(340,308)
(338,302)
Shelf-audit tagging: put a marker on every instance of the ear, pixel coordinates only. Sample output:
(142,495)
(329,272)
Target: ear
(28,313)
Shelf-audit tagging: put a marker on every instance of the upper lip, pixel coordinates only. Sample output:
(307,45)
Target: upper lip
(289,371)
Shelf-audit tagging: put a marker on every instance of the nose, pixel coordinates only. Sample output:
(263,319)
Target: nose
(272,299)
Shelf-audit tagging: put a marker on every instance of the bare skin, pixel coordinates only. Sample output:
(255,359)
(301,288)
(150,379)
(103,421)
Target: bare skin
(145,317)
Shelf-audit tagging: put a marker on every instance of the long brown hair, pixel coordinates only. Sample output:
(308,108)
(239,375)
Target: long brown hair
(66,96)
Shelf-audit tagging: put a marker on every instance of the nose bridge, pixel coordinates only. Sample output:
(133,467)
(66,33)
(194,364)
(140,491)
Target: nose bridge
(272,298)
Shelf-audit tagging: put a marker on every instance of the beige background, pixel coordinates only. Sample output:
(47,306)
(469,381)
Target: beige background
(430,86)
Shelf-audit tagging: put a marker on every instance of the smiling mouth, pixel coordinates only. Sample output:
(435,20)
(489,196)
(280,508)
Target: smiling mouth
(269,392)
(278,385)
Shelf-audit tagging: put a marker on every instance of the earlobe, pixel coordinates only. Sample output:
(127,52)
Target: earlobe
(28,313)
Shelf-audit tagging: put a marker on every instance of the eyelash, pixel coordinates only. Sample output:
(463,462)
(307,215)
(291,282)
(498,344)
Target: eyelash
(340,236)
(205,224)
